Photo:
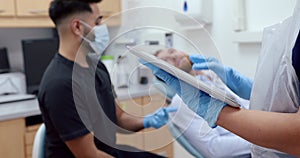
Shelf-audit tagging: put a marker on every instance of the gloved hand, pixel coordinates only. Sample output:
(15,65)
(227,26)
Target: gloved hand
(238,83)
(198,101)
(159,118)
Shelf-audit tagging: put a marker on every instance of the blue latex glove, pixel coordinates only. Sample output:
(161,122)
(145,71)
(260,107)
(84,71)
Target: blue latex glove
(238,83)
(159,118)
(198,101)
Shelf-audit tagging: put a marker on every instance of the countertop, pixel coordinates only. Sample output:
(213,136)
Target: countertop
(22,109)
(19,109)
(135,91)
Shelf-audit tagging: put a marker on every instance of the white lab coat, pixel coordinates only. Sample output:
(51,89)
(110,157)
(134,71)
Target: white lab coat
(211,143)
(276,84)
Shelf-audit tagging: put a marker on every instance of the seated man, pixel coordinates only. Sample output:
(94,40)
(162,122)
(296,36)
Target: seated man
(76,98)
(210,142)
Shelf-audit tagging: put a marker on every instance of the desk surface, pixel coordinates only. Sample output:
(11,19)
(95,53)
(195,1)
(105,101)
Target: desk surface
(19,109)
(22,109)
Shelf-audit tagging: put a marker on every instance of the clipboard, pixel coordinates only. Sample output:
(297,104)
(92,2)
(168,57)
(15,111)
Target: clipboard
(214,92)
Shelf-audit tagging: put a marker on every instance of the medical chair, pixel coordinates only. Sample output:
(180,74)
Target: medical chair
(174,130)
(38,150)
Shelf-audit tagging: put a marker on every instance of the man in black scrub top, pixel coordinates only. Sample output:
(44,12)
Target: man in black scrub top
(76,97)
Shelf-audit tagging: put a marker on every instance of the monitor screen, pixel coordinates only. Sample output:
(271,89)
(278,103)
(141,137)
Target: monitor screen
(4,62)
(37,55)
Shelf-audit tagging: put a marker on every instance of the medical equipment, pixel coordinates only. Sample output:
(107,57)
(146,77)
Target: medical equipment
(122,74)
(107,60)
(169,40)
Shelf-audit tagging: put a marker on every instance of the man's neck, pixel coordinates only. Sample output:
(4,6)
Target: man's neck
(71,52)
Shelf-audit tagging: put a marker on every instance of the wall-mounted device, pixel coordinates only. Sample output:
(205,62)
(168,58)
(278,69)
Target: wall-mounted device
(200,10)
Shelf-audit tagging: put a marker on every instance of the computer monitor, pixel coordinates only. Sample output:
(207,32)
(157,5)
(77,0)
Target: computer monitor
(37,55)
(4,62)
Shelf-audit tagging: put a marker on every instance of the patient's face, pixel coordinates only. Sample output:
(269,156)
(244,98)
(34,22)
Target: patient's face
(176,58)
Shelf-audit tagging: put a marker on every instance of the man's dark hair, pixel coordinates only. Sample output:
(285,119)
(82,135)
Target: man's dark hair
(61,9)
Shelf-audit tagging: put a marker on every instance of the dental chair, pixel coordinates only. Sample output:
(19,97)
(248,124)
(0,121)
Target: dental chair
(38,150)
(174,130)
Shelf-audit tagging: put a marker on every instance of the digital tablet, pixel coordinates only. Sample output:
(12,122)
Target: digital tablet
(214,91)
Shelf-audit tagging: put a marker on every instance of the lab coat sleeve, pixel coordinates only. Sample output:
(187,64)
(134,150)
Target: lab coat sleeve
(213,143)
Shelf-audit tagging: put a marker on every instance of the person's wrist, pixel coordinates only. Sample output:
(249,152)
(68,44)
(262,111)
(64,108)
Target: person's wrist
(146,122)
(213,113)
(226,113)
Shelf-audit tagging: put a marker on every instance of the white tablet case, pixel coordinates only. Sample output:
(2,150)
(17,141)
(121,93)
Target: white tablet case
(214,92)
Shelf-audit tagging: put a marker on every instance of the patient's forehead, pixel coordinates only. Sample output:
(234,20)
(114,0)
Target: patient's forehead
(160,53)
(166,52)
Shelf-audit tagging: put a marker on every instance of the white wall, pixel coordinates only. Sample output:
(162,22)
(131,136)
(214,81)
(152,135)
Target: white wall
(263,13)
(259,14)
(241,57)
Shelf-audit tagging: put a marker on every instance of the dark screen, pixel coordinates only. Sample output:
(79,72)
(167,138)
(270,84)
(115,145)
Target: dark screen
(37,55)
(4,63)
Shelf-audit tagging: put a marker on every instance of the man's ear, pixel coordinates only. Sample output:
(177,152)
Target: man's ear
(76,27)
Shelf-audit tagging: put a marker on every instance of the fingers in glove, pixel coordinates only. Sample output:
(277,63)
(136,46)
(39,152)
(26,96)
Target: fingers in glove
(197,58)
(200,66)
(171,109)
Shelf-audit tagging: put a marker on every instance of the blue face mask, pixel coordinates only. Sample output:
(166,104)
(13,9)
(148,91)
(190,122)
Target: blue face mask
(101,40)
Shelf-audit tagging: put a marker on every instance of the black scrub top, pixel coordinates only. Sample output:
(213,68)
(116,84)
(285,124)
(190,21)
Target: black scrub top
(72,107)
